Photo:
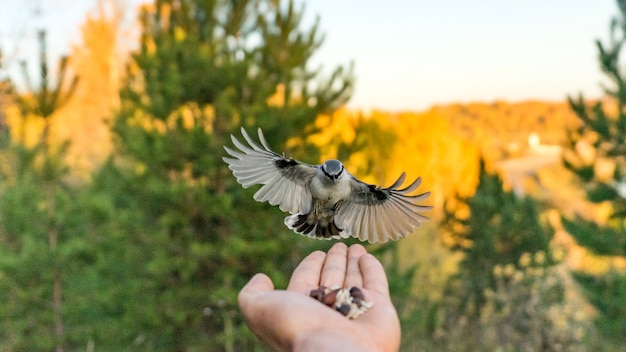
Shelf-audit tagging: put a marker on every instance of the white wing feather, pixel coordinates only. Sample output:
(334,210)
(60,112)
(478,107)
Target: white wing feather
(285,181)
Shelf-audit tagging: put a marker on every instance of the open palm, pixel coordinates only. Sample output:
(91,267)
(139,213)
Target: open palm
(290,320)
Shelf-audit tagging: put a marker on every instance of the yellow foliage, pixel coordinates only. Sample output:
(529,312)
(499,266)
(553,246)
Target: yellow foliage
(282,96)
(188,115)
(24,129)
(335,129)
(147,123)
(150,46)
(278,98)
(179,34)
(191,114)
(166,11)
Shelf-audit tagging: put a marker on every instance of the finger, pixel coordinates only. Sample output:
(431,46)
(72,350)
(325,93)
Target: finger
(334,271)
(354,277)
(306,276)
(258,283)
(374,277)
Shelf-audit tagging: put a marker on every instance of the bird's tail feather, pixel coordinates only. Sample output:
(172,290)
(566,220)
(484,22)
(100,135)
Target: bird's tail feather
(306,225)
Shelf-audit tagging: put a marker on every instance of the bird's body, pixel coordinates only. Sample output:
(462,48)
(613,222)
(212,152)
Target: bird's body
(327,191)
(326,196)
(326,201)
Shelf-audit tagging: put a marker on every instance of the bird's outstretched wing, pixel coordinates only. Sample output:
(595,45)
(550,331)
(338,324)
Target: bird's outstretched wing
(378,214)
(285,180)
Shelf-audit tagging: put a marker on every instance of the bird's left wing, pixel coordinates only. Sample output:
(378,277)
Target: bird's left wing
(377,214)
(285,180)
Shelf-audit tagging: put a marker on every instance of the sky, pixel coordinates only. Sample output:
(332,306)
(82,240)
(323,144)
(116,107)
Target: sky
(410,55)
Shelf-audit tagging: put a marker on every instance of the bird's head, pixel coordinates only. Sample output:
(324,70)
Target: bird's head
(333,169)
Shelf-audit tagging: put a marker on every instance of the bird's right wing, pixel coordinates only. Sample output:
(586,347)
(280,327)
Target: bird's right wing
(285,180)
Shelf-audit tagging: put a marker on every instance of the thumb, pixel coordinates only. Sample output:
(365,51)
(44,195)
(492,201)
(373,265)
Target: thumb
(258,283)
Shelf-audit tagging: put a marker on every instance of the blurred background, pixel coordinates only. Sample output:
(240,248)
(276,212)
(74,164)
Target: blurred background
(121,229)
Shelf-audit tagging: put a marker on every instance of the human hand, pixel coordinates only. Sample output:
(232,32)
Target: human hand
(289,320)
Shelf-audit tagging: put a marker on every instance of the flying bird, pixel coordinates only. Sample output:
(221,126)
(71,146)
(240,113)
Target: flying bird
(325,201)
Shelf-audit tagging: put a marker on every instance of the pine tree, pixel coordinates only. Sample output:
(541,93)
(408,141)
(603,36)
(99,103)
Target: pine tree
(31,213)
(202,70)
(508,293)
(597,155)
(500,228)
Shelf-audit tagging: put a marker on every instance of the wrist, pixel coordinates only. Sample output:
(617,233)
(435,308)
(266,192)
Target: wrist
(331,340)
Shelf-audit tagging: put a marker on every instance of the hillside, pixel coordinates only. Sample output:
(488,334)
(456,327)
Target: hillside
(502,128)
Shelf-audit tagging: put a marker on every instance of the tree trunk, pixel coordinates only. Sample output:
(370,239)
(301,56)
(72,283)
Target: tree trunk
(53,237)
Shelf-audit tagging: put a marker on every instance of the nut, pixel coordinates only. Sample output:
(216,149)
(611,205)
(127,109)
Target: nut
(356,292)
(318,294)
(330,298)
(344,309)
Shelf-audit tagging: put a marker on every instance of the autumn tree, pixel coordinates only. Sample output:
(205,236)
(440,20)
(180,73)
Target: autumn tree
(597,155)
(98,60)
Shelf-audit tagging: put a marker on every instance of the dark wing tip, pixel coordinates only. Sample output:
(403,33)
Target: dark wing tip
(285,163)
(379,193)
